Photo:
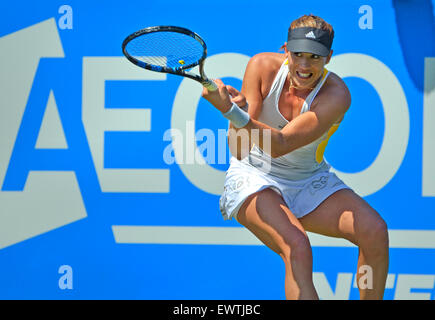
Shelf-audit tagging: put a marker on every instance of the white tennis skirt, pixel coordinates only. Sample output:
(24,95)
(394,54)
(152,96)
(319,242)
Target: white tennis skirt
(300,196)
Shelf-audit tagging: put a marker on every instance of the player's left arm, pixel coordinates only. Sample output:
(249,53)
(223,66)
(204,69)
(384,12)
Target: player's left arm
(328,107)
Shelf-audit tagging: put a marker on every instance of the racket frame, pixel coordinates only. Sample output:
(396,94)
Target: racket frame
(182,70)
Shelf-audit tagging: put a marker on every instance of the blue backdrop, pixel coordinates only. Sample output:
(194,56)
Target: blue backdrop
(93,204)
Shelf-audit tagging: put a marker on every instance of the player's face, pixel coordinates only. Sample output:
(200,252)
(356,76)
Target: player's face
(306,68)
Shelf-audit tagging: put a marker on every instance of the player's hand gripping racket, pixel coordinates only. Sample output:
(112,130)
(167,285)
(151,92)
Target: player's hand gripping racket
(168,49)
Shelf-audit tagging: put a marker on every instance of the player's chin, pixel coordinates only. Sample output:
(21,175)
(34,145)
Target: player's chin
(302,85)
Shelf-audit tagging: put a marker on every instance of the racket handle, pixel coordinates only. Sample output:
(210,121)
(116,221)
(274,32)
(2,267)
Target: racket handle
(210,85)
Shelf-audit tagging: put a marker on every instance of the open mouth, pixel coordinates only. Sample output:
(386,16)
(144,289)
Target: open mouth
(304,75)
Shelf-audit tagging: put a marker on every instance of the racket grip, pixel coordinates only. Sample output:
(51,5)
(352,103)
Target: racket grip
(210,85)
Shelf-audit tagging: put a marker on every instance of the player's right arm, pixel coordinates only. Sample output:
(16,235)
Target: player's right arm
(238,140)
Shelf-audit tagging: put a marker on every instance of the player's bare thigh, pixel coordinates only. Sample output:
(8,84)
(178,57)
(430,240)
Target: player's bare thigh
(346,215)
(266,215)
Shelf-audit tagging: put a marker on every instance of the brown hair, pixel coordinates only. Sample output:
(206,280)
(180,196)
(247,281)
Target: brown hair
(312,21)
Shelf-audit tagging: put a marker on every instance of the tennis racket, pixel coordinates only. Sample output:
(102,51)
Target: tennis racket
(168,49)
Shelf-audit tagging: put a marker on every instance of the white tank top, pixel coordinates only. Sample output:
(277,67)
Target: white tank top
(302,162)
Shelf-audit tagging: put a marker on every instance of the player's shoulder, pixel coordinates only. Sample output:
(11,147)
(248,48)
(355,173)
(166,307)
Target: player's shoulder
(263,68)
(267,61)
(336,87)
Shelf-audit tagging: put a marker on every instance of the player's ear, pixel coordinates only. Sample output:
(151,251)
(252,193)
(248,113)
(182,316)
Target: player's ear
(285,48)
(328,58)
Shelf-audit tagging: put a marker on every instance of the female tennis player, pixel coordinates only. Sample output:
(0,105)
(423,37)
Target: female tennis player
(279,186)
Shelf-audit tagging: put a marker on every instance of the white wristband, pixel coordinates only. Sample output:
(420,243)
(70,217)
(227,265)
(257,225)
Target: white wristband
(237,116)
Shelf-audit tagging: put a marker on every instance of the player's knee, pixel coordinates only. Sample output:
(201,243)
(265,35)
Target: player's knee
(296,248)
(381,231)
(375,239)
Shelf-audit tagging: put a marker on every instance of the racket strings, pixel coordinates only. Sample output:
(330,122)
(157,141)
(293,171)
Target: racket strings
(166,49)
